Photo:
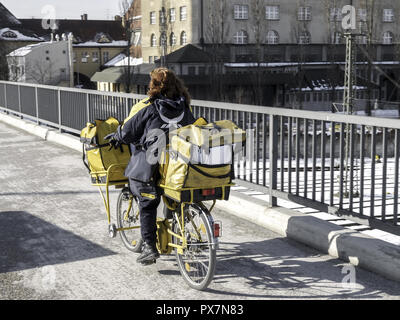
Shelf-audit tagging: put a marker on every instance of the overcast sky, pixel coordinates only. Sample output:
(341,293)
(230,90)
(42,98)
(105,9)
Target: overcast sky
(70,9)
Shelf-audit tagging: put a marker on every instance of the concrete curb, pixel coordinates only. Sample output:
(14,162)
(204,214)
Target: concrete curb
(45,133)
(352,246)
(359,249)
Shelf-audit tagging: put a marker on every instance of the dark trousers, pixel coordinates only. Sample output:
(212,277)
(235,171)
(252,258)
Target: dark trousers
(148,199)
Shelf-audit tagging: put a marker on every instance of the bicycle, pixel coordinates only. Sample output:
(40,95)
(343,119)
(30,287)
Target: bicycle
(187,227)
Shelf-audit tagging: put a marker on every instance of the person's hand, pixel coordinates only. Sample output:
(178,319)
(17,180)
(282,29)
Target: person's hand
(113,141)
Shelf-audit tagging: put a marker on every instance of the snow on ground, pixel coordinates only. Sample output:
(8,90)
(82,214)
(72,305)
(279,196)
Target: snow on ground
(383,200)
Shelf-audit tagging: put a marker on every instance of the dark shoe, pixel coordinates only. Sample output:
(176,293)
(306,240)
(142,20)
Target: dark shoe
(149,254)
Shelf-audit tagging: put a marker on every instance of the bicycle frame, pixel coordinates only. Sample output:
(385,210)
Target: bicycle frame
(172,206)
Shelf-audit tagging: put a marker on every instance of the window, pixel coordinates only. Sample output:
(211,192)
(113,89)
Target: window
(304,37)
(85,57)
(304,13)
(172,39)
(153,17)
(172,15)
(150,59)
(240,12)
(183,13)
(106,56)
(202,71)
(336,14)
(95,56)
(8,34)
(387,37)
(162,16)
(272,12)
(362,14)
(362,39)
(388,15)
(272,37)
(336,38)
(191,71)
(183,38)
(241,37)
(153,40)
(163,39)
(137,36)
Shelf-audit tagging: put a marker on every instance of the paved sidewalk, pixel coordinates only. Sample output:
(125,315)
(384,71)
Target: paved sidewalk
(54,244)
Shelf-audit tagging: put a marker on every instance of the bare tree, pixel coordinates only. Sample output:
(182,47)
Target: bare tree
(333,15)
(301,35)
(3,61)
(216,34)
(41,73)
(125,6)
(371,8)
(167,36)
(259,30)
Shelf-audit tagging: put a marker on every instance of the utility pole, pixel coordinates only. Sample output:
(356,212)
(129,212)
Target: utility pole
(163,32)
(348,94)
(348,98)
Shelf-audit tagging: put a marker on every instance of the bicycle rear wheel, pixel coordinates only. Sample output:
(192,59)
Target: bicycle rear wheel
(198,261)
(128,217)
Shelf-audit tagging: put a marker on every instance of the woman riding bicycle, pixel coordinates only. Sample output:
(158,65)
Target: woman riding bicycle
(168,104)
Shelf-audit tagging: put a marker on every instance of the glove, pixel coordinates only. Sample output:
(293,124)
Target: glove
(113,141)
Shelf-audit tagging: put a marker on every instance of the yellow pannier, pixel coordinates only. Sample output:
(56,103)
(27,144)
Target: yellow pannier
(99,153)
(198,163)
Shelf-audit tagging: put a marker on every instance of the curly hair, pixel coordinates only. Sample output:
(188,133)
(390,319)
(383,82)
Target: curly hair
(165,82)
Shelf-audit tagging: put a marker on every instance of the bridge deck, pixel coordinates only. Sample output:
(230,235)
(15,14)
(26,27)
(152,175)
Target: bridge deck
(54,244)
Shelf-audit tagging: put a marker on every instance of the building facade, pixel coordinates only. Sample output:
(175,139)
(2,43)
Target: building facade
(276,26)
(95,42)
(43,63)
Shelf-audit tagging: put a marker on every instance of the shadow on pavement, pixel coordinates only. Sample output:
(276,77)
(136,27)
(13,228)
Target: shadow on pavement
(28,242)
(275,274)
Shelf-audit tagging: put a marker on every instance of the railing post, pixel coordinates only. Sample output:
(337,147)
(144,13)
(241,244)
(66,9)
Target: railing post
(126,107)
(59,109)
(273,158)
(19,102)
(5,98)
(37,105)
(87,108)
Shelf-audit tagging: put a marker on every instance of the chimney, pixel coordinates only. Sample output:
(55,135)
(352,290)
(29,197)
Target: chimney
(84,17)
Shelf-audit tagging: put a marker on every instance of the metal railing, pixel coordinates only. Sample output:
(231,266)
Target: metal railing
(341,164)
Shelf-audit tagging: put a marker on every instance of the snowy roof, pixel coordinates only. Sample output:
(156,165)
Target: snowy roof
(23,51)
(120,43)
(293,64)
(122,60)
(7,18)
(83,30)
(15,35)
(116,59)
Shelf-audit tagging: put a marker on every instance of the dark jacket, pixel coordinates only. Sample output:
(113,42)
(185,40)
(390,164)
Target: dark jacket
(137,131)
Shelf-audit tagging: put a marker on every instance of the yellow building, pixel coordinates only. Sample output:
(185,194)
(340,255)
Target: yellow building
(169,25)
(91,56)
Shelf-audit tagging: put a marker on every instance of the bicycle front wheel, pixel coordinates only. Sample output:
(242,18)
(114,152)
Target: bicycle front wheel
(198,261)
